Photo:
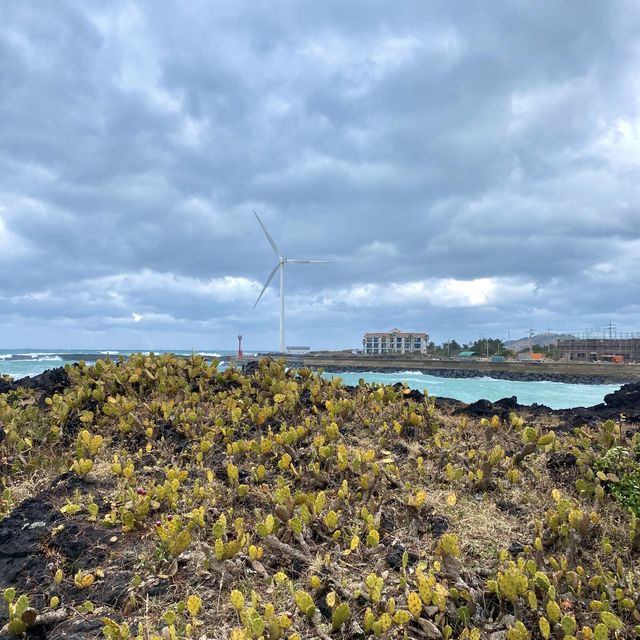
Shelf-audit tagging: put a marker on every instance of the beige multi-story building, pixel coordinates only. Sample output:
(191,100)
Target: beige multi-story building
(394,342)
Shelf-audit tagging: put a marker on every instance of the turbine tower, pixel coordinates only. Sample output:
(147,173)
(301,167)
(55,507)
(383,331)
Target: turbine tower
(282,260)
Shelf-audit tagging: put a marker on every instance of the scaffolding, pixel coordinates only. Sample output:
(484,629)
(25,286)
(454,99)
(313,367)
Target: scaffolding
(606,333)
(596,347)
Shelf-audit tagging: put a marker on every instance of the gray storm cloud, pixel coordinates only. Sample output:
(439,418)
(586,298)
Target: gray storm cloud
(468,168)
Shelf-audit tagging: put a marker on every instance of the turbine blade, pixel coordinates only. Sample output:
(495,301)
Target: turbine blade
(274,246)
(309,261)
(266,284)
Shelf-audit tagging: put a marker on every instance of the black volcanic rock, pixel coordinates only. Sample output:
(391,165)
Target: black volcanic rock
(510,507)
(625,401)
(394,556)
(561,459)
(249,368)
(627,397)
(49,382)
(508,403)
(22,534)
(501,408)
(438,525)
(479,408)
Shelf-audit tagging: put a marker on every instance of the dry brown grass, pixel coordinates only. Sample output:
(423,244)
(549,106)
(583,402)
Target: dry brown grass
(147,582)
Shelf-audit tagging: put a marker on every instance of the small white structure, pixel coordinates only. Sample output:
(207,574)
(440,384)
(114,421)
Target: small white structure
(395,341)
(298,351)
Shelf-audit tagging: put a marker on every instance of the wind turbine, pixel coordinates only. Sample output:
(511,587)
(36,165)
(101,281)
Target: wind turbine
(282,260)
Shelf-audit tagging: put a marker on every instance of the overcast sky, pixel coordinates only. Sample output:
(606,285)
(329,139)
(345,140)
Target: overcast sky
(469,167)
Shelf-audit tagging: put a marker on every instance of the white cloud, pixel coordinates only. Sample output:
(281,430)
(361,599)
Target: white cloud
(377,249)
(531,106)
(443,292)
(121,290)
(200,213)
(619,143)
(11,246)
(224,289)
(445,157)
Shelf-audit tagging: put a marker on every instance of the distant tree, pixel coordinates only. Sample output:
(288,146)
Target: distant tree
(494,346)
(549,350)
(446,349)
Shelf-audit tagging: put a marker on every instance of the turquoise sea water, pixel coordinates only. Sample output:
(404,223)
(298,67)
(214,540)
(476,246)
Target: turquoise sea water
(30,362)
(557,395)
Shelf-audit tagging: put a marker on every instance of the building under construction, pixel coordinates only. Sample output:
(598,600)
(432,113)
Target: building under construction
(618,349)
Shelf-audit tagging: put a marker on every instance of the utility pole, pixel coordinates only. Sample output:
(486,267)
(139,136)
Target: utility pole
(530,341)
(487,343)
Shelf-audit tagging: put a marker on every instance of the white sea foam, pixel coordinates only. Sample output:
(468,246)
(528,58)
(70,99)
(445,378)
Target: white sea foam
(49,358)
(208,355)
(38,355)
(380,374)
(109,353)
(407,373)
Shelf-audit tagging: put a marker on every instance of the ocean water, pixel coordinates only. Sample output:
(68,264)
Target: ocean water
(557,395)
(19,363)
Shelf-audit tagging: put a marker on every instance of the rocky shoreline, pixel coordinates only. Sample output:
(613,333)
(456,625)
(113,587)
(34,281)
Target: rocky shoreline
(514,376)
(624,402)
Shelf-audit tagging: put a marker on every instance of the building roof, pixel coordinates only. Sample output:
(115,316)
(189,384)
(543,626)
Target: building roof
(396,334)
(467,354)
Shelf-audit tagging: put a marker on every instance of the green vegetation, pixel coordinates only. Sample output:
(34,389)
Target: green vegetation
(283,505)
(482,346)
(20,615)
(620,467)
